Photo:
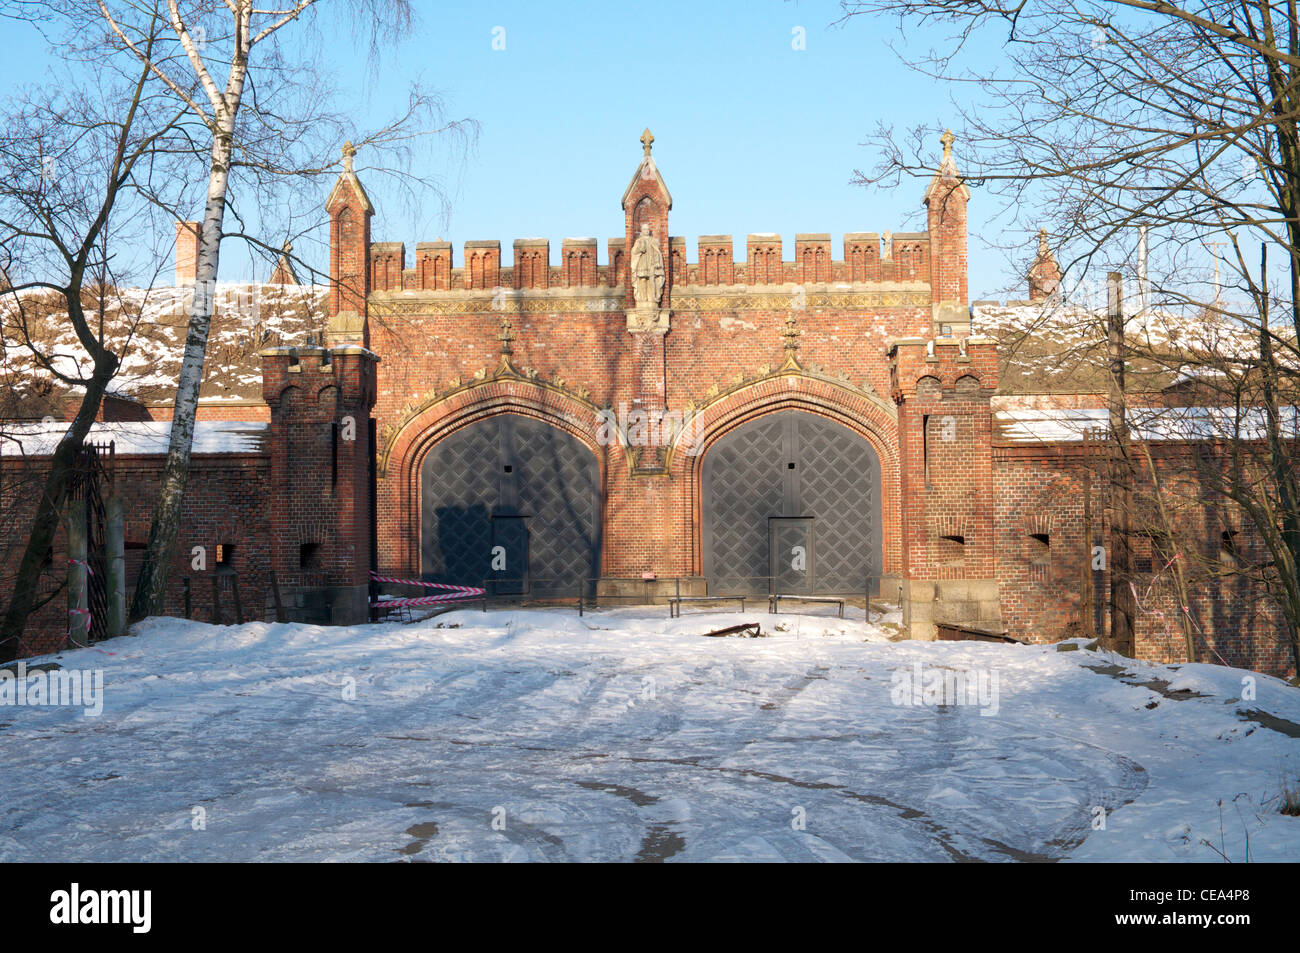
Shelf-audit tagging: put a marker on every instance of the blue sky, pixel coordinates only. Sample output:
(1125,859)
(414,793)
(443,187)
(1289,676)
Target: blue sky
(751,134)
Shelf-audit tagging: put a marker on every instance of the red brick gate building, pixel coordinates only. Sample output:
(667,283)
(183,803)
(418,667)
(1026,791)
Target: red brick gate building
(628,435)
(643,420)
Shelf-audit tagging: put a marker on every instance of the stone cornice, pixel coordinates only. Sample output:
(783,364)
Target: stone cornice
(687,298)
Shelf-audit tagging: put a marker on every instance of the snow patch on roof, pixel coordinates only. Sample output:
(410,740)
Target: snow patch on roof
(144,438)
(1145,423)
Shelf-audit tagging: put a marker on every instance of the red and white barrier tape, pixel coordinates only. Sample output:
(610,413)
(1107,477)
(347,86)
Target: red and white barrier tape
(453,592)
(421,601)
(466,590)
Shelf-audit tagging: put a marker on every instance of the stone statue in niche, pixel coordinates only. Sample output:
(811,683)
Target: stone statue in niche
(647,271)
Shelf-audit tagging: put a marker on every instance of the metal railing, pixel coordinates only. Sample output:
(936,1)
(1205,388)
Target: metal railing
(588,593)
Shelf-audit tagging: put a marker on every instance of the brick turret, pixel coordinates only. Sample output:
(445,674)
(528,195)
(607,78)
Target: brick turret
(349,210)
(285,273)
(945,202)
(321,447)
(647,202)
(943,388)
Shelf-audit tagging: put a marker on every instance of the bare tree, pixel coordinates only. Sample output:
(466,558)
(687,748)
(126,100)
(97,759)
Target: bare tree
(224,52)
(1104,117)
(76,164)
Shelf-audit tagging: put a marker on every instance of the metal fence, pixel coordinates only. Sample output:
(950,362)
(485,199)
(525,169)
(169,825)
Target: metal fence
(672,592)
(90,482)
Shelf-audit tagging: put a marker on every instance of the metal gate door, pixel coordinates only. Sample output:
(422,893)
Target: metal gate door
(509,555)
(790,542)
(784,465)
(511,466)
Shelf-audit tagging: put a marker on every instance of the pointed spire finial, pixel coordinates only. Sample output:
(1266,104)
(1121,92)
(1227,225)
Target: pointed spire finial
(946,171)
(284,273)
(349,151)
(647,140)
(1044,274)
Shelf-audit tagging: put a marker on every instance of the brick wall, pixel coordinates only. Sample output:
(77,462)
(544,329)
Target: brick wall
(727,358)
(1039,492)
(225,504)
(586,354)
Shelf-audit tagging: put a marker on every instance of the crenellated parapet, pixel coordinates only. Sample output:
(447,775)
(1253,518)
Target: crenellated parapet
(763,259)
(532,263)
(892,269)
(482,266)
(387,264)
(433,265)
(812,257)
(715,261)
(578,268)
(867,258)
(349,373)
(926,369)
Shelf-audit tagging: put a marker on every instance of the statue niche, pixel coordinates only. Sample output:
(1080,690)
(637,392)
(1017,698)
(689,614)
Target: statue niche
(648,278)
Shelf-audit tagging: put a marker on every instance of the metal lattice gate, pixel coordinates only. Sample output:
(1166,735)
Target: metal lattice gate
(513,501)
(793,498)
(91,475)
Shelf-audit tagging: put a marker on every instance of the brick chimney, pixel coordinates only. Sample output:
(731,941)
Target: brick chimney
(1044,274)
(187,252)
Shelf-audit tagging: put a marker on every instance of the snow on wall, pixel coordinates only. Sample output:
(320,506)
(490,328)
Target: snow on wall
(1064,425)
(137,437)
(247,317)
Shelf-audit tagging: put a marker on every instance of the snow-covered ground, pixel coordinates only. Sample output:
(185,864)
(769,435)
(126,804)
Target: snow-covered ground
(539,735)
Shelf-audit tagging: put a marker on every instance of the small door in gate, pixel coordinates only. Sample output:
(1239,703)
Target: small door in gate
(509,554)
(790,549)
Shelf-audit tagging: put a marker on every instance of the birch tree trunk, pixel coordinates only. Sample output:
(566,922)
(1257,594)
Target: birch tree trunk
(264,151)
(151,586)
(1122,609)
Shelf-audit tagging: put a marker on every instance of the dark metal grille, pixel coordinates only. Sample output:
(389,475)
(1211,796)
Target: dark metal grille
(784,480)
(91,477)
(517,483)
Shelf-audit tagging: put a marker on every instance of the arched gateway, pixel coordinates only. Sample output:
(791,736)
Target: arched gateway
(514,501)
(795,497)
